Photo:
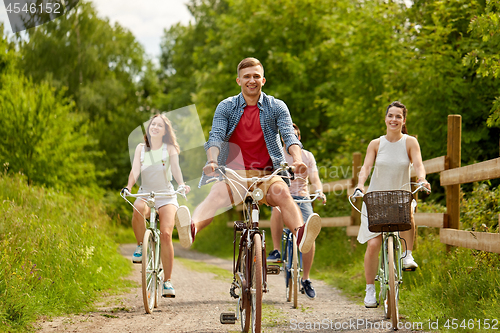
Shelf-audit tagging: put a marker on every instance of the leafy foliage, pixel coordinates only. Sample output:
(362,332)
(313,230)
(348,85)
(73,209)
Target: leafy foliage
(41,136)
(337,66)
(480,209)
(101,67)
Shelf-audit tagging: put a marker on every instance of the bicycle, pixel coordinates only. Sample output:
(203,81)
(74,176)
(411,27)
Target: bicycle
(292,259)
(249,269)
(389,212)
(152,271)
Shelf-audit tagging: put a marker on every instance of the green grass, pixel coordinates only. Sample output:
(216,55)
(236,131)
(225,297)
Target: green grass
(55,253)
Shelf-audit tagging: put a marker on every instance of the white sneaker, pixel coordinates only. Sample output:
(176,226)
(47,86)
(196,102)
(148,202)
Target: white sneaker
(168,289)
(137,256)
(185,227)
(371,296)
(409,263)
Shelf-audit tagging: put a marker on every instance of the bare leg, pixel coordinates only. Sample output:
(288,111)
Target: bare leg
(138,221)
(307,261)
(371,259)
(409,235)
(167,223)
(216,199)
(276,228)
(279,195)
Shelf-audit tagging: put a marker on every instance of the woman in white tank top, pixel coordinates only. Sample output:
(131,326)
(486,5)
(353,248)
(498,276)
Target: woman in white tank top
(392,154)
(156,161)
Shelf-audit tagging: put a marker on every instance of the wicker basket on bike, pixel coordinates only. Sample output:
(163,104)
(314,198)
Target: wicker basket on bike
(388,210)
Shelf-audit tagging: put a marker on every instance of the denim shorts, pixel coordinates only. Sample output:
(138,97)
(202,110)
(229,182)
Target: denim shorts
(305,207)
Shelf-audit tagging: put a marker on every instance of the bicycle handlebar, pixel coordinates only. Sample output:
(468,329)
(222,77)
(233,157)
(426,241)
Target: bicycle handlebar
(223,170)
(312,197)
(181,190)
(359,194)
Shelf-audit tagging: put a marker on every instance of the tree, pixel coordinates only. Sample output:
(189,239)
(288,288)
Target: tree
(41,136)
(102,67)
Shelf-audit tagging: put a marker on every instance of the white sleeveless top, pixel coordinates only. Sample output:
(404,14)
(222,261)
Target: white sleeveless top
(391,172)
(155,170)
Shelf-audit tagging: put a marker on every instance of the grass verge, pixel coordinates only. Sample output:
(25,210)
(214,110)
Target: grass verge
(55,253)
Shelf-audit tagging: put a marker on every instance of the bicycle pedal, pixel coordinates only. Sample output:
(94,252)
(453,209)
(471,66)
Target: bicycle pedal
(168,296)
(273,270)
(409,269)
(227,318)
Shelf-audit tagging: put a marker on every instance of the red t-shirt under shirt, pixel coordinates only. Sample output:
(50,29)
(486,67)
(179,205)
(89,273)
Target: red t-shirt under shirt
(247,147)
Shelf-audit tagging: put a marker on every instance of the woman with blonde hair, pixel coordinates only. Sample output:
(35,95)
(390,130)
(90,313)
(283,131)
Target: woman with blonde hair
(157,160)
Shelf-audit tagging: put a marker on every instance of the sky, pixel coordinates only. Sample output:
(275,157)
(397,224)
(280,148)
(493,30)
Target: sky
(146,19)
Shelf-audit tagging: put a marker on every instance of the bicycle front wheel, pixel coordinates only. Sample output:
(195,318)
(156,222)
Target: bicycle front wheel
(243,301)
(149,277)
(393,284)
(256,283)
(295,271)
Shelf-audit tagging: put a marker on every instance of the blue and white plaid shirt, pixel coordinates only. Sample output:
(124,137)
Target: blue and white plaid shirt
(274,117)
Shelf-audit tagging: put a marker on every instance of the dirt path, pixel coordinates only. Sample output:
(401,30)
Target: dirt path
(202,296)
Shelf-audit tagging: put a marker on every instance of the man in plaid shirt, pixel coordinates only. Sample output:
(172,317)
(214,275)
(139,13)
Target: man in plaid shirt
(245,137)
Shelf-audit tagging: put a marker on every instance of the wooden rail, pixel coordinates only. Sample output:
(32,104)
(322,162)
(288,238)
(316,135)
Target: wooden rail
(472,173)
(484,241)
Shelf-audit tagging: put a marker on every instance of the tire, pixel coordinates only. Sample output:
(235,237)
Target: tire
(287,263)
(295,271)
(149,278)
(244,302)
(393,284)
(289,287)
(256,283)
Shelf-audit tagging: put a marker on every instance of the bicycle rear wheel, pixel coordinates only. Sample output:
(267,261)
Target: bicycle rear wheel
(393,284)
(295,271)
(149,277)
(256,283)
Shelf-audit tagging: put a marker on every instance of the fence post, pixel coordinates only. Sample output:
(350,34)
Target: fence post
(453,156)
(355,216)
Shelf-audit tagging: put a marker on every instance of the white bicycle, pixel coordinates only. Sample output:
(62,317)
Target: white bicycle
(152,271)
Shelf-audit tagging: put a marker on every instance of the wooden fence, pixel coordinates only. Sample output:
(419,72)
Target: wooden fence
(452,175)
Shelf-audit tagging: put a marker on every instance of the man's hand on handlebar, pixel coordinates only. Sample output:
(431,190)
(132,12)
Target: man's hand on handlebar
(209,168)
(125,191)
(300,167)
(321,196)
